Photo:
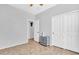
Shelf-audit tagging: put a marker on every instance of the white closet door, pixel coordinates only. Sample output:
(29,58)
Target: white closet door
(71,30)
(75,32)
(57,29)
(54,29)
(66,31)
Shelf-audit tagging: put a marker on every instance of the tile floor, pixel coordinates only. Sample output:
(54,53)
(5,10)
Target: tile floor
(34,48)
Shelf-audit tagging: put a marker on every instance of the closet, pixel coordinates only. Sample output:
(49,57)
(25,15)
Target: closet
(66,30)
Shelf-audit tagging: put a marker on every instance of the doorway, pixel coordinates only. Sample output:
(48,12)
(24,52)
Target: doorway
(30,29)
(33,30)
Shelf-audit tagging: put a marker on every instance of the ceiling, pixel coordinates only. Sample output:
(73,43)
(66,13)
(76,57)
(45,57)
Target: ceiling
(35,9)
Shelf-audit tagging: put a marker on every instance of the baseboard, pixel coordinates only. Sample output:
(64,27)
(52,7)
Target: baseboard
(66,49)
(14,45)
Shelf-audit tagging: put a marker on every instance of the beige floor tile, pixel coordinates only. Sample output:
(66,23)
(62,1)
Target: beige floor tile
(34,48)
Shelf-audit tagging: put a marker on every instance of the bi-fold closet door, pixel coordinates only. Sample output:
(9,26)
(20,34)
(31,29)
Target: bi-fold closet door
(71,23)
(66,31)
(57,29)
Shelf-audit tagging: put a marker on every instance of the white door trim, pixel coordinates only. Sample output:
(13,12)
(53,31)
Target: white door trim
(36,30)
(27,27)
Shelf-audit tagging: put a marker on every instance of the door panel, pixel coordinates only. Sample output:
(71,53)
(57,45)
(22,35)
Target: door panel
(66,31)
(57,26)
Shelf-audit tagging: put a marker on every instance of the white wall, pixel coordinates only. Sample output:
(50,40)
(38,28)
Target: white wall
(46,20)
(12,26)
(66,30)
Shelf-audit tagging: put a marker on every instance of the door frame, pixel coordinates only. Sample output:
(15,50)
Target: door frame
(27,27)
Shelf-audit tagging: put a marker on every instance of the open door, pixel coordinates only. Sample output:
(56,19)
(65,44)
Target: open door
(36,30)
